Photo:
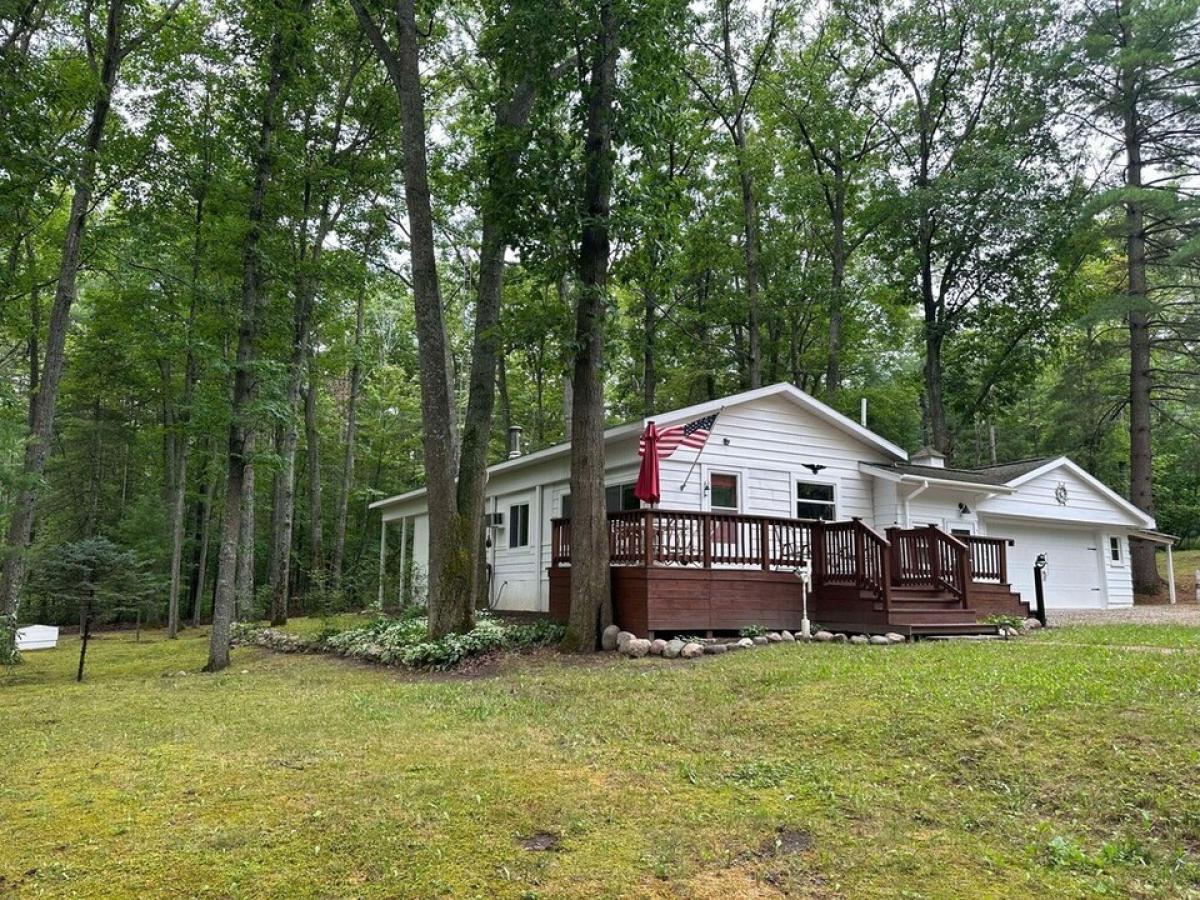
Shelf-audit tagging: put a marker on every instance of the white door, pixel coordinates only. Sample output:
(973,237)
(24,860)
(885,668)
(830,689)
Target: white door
(1074,564)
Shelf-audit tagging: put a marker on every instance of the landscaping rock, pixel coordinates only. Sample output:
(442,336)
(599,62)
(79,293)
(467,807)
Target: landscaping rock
(691,651)
(657,647)
(637,648)
(623,639)
(745,643)
(715,649)
(839,638)
(879,640)
(1032,624)
(774,637)
(760,639)
(608,639)
(858,639)
(673,649)
(824,636)
(895,638)
(787,637)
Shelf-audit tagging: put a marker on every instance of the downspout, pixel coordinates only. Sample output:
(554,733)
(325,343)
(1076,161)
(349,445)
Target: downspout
(908,498)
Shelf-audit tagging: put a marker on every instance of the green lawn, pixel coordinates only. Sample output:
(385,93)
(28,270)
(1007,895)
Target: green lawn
(1003,769)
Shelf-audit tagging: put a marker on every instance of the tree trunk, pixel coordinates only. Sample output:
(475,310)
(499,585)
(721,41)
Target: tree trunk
(316,528)
(591,603)
(243,383)
(243,597)
(935,405)
(1141,475)
(833,365)
(200,554)
(337,564)
(283,506)
(20,526)
(649,373)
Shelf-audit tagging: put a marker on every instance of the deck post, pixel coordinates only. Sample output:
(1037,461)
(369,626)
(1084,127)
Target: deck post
(817,551)
(706,541)
(859,554)
(648,536)
(764,543)
(935,556)
(886,577)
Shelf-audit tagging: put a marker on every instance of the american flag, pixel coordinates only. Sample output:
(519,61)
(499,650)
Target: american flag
(693,434)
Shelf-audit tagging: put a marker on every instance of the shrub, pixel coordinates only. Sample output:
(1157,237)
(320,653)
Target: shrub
(404,641)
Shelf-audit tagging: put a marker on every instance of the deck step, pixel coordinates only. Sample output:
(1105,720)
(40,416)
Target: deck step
(951,628)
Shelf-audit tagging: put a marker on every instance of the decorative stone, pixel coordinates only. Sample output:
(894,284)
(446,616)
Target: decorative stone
(879,640)
(691,651)
(715,649)
(623,639)
(787,637)
(858,639)
(760,639)
(774,637)
(1032,624)
(657,647)
(824,636)
(673,649)
(895,638)
(637,648)
(745,642)
(839,638)
(608,638)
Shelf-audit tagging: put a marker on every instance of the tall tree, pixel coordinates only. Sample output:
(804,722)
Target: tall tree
(105,66)
(1138,76)
(289,20)
(591,602)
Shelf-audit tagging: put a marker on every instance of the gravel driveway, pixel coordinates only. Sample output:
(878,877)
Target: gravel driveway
(1157,614)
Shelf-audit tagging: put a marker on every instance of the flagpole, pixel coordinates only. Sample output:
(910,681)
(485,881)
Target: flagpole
(688,477)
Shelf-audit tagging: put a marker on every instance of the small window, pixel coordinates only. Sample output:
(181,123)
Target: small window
(566,506)
(815,501)
(518,525)
(724,492)
(1114,549)
(620,498)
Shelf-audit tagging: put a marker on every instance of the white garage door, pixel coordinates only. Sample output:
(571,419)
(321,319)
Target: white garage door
(1072,577)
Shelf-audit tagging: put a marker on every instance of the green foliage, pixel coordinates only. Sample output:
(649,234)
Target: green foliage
(405,641)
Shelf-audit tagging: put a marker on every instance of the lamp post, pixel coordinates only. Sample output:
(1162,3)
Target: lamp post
(804,573)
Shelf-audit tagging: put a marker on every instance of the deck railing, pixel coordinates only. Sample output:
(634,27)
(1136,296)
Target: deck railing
(655,537)
(844,554)
(930,559)
(989,558)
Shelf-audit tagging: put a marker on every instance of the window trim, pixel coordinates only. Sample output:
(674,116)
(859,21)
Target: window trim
(513,530)
(738,482)
(1115,542)
(805,478)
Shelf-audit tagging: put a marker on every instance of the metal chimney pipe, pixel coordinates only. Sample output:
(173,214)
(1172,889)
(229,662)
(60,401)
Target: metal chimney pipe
(514,441)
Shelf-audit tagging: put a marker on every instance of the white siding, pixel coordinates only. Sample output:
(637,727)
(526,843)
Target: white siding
(770,440)
(1036,499)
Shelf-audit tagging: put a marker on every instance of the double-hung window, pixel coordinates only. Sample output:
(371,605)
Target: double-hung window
(815,500)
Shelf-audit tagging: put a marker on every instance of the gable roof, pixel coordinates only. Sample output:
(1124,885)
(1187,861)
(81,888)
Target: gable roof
(787,391)
(997,476)
(1092,481)
(805,401)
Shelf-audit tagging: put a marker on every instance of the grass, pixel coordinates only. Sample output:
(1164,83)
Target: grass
(1003,769)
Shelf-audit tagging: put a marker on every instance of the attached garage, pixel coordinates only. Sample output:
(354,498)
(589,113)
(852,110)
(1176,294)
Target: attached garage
(1074,576)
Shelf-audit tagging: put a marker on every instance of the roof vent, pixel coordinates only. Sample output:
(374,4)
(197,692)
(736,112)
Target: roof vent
(514,441)
(927,456)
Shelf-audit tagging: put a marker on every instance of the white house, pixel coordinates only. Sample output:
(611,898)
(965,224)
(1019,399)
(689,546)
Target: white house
(778,452)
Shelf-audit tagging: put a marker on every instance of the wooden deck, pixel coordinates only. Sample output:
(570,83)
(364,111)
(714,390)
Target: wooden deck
(688,572)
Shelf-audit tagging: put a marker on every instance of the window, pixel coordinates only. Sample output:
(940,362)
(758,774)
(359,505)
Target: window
(815,501)
(518,525)
(724,492)
(1114,549)
(617,498)
(620,498)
